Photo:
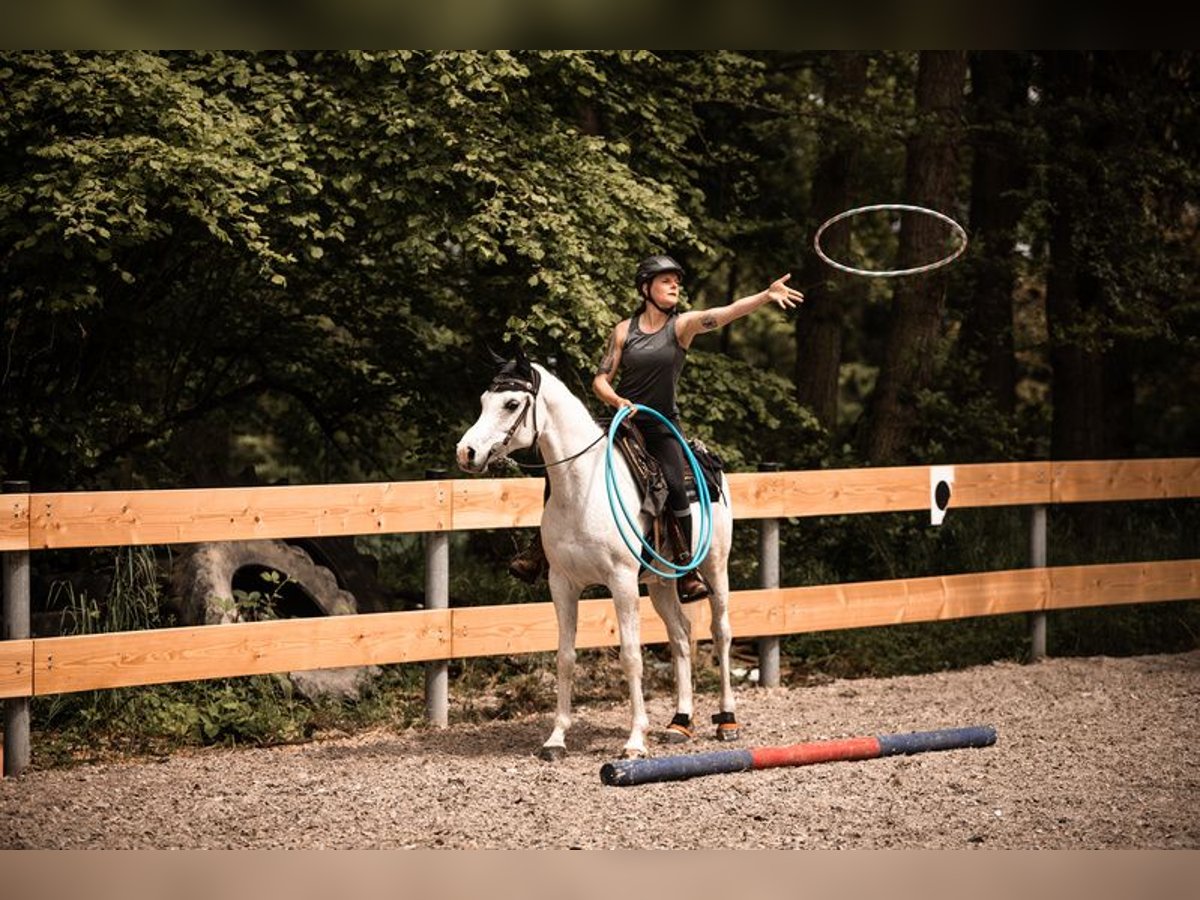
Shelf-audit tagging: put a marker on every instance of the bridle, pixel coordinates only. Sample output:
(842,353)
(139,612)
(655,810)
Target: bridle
(530,387)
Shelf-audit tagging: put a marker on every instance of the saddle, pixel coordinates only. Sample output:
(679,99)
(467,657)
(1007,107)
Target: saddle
(652,483)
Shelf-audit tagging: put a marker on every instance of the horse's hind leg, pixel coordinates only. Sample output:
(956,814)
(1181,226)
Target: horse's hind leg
(566,609)
(722,635)
(679,635)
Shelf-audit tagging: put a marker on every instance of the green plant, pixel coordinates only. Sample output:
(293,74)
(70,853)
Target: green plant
(132,602)
(159,718)
(258,606)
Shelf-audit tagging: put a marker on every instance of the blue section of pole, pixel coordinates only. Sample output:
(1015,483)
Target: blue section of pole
(675,768)
(946,739)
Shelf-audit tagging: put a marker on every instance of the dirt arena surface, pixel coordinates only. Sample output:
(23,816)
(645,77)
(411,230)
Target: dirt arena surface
(1091,753)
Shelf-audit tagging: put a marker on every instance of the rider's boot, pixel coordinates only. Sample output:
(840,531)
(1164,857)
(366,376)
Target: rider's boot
(691,585)
(531,563)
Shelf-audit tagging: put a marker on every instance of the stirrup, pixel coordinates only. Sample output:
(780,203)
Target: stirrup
(530,564)
(691,585)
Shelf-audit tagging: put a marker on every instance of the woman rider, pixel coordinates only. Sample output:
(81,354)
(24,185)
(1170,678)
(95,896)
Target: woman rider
(648,350)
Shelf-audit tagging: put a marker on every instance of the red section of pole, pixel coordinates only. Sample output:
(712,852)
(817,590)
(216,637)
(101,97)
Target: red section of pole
(816,752)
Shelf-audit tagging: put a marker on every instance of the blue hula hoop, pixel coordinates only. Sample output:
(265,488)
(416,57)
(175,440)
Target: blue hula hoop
(615,502)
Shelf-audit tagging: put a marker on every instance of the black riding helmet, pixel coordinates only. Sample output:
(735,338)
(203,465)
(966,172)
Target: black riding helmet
(651,266)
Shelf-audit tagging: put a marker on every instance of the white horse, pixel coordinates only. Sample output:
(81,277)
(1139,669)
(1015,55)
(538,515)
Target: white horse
(525,404)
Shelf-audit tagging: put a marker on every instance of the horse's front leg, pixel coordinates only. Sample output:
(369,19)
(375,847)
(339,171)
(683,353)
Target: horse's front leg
(566,610)
(679,634)
(625,599)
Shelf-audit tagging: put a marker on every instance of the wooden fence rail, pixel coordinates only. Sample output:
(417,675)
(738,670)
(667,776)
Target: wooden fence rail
(116,518)
(58,665)
(40,521)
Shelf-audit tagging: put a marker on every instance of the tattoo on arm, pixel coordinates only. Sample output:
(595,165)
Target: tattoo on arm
(606,364)
(708,322)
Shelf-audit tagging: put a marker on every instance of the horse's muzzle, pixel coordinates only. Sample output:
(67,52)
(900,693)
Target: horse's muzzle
(470,461)
(465,457)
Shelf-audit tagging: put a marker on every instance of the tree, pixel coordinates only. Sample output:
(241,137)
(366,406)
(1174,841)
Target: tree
(819,321)
(130,193)
(221,258)
(1118,175)
(999,115)
(915,331)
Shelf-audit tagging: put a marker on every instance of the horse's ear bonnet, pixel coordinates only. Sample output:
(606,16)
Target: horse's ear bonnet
(516,374)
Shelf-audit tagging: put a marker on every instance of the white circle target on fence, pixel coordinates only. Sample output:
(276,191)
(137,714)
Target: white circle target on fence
(958,230)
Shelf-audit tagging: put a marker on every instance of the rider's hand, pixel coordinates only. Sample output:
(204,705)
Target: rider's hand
(783,295)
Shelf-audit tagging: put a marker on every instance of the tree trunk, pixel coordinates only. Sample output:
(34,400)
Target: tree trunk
(1120,364)
(819,322)
(1000,86)
(916,331)
(1077,389)
(1092,388)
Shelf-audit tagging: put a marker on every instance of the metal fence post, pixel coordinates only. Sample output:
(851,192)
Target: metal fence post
(437,596)
(16,627)
(1037,560)
(768,574)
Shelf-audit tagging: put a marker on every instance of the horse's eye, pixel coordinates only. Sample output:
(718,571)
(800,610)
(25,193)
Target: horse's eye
(511,404)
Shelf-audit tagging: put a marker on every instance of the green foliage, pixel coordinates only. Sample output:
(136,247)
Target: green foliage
(216,260)
(157,719)
(302,246)
(256,606)
(153,719)
(746,415)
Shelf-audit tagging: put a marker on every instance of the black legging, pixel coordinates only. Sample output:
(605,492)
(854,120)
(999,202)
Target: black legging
(664,447)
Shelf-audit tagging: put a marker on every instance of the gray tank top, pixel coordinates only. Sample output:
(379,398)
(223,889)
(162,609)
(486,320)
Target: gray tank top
(650,367)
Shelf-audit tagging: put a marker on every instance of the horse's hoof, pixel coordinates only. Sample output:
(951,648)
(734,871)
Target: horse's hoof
(552,754)
(728,732)
(678,732)
(727,726)
(634,753)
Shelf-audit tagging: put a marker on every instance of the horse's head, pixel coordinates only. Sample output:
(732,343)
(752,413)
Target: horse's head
(509,418)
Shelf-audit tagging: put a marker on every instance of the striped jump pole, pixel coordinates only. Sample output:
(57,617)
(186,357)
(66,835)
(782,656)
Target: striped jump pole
(677,768)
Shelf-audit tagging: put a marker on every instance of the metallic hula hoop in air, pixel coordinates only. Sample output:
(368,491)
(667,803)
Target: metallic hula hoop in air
(959,231)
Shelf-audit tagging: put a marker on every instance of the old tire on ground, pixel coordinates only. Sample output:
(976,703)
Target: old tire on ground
(205,578)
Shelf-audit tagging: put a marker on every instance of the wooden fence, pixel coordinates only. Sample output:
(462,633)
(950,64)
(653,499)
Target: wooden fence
(30,522)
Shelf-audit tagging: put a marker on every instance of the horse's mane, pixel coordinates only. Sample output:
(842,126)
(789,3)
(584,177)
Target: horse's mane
(559,392)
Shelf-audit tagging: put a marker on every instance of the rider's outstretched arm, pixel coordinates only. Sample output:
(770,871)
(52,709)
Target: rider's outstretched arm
(701,320)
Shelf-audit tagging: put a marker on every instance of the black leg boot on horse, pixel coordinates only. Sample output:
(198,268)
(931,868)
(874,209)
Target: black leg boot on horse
(692,586)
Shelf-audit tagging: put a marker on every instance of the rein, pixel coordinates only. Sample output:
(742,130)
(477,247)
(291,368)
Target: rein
(511,383)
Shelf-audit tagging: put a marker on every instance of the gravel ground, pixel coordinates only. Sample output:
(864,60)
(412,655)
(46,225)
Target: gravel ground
(1091,753)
